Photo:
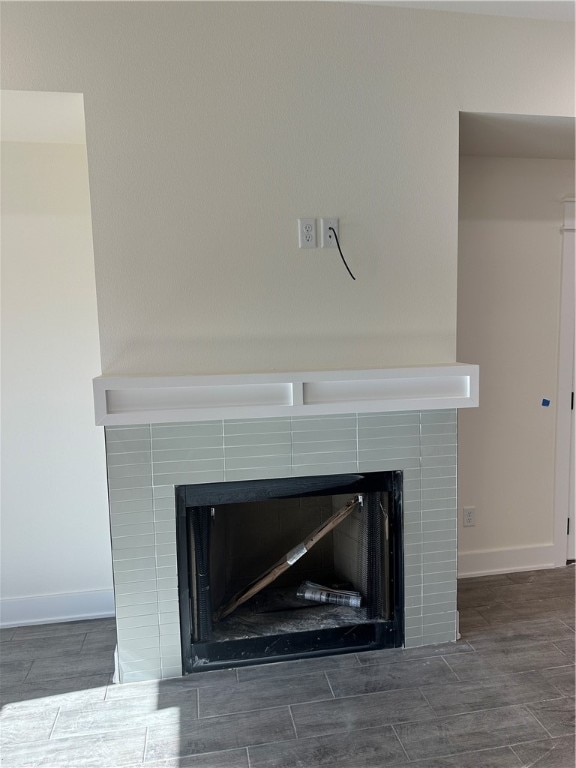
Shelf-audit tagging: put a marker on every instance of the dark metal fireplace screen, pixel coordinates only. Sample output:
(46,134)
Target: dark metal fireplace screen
(228,533)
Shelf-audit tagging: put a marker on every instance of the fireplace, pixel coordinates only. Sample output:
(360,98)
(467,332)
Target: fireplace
(289,568)
(165,434)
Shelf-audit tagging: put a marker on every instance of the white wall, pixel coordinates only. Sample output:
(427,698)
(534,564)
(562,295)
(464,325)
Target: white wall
(55,555)
(212,126)
(510,248)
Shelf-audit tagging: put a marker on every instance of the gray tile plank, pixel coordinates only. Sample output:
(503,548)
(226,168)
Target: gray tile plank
(488,637)
(551,753)
(65,692)
(73,665)
(469,732)
(63,628)
(129,713)
(218,733)
(500,757)
(233,758)
(369,748)
(260,694)
(23,649)
(18,729)
(13,672)
(158,689)
(388,655)
(368,711)
(557,715)
(526,657)
(300,667)
(502,691)
(385,677)
(106,750)
(562,678)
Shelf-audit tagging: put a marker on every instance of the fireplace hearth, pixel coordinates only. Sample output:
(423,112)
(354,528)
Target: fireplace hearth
(230,534)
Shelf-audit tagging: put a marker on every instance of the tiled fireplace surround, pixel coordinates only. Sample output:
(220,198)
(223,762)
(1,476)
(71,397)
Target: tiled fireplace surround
(146,461)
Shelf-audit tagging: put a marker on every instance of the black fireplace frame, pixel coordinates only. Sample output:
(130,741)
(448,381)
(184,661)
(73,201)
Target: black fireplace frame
(372,635)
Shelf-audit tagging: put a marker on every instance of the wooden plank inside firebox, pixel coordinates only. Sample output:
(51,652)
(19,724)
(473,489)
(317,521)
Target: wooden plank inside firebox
(282,565)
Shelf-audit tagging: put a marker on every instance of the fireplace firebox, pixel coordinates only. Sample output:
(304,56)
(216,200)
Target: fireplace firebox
(289,568)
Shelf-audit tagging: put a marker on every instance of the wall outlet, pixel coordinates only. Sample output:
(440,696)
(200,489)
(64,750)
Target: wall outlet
(468,517)
(328,239)
(307,233)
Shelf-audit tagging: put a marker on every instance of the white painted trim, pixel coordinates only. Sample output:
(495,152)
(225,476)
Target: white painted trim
(486,561)
(120,400)
(43,609)
(563,463)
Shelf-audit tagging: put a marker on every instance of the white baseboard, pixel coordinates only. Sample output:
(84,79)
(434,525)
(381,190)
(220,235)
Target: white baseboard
(488,561)
(44,609)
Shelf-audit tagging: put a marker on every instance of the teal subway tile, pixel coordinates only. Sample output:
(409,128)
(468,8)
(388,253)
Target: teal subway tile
(125,483)
(186,467)
(169,607)
(131,470)
(124,522)
(127,446)
(398,454)
(170,648)
(413,548)
(162,492)
(333,468)
(140,643)
(367,434)
(169,617)
(438,415)
(257,426)
(444,577)
(138,609)
(135,587)
(192,454)
(246,462)
(413,623)
(170,672)
(439,463)
(190,478)
(118,427)
(170,628)
(411,560)
(260,473)
(412,528)
(412,506)
(130,622)
(318,423)
(382,444)
(185,443)
(166,571)
(438,505)
(172,662)
(448,607)
(131,494)
(413,642)
(411,495)
(165,502)
(446,557)
(167,594)
(142,666)
(141,677)
(166,537)
(440,587)
(333,446)
(164,514)
(163,561)
(299,439)
(438,525)
(442,472)
(131,530)
(119,459)
(132,633)
(137,598)
(431,568)
(412,516)
(442,494)
(432,431)
(257,441)
(447,442)
(442,597)
(397,418)
(132,542)
(447,544)
(439,483)
(302,459)
(447,636)
(133,658)
(137,575)
(237,452)
(166,550)
(413,592)
(165,526)
(389,465)
(123,507)
(412,581)
(127,434)
(132,553)
(135,564)
(436,451)
(412,611)
(200,429)
(436,622)
(413,602)
(170,583)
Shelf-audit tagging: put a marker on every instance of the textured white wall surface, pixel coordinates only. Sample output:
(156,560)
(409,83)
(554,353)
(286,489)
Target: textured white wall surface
(510,251)
(212,126)
(55,555)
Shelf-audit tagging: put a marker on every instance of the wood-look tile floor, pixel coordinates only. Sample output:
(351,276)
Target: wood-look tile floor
(502,697)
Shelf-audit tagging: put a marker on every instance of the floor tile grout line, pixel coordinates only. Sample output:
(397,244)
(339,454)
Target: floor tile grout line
(401,744)
(293,722)
(527,708)
(145,745)
(54,723)
(329,685)
(248,756)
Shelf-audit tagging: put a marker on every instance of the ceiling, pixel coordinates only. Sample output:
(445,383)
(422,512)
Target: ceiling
(548,10)
(534,136)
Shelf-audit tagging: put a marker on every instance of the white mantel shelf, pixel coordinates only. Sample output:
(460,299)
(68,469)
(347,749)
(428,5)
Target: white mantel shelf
(128,400)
